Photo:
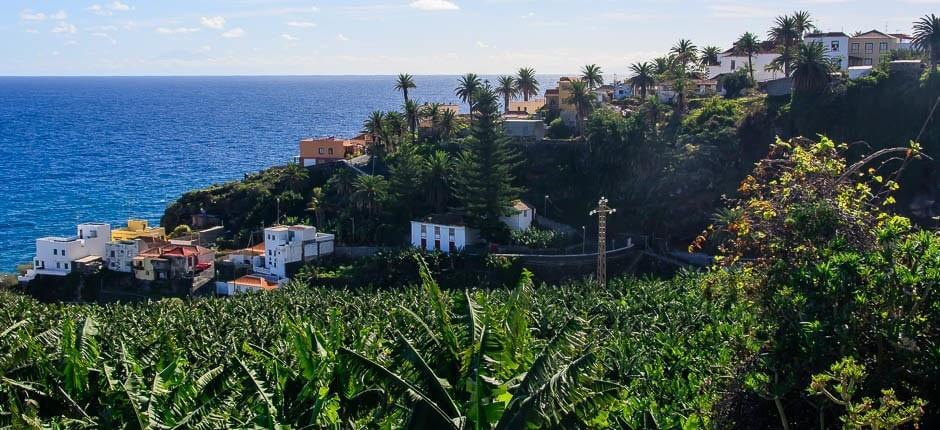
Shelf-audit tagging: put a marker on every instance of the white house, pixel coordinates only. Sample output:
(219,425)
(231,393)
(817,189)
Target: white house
(119,255)
(55,255)
(446,233)
(522,216)
(836,46)
(287,247)
(622,90)
(730,62)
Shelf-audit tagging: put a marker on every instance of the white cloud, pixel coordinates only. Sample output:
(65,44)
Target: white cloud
(177,30)
(213,22)
(64,28)
(234,33)
(480,44)
(32,30)
(434,5)
(105,36)
(59,16)
(29,15)
(301,24)
(289,37)
(341,38)
(109,9)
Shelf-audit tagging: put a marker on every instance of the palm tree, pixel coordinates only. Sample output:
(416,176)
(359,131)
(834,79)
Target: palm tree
(803,22)
(685,52)
(582,97)
(710,56)
(748,44)
(643,77)
(395,125)
(927,37)
(439,167)
(466,87)
(664,65)
(369,192)
(405,82)
(315,205)
(447,124)
(375,126)
(811,69)
(786,35)
(343,182)
(506,86)
(412,115)
(592,75)
(295,176)
(526,83)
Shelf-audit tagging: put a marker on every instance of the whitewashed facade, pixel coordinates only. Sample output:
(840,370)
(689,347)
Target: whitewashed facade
(119,255)
(728,62)
(836,46)
(522,217)
(54,255)
(445,233)
(285,245)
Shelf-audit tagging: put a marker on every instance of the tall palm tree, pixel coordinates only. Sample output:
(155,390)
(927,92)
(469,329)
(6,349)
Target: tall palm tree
(394,130)
(710,56)
(592,75)
(447,124)
(526,83)
(295,176)
(786,35)
(439,167)
(369,192)
(685,52)
(811,69)
(803,22)
(375,126)
(466,87)
(582,97)
(927,37)
(664,65)
(748,44)
(643,77)
(412,114)
(343,182)
(404,83)
(315,205)
(506,86)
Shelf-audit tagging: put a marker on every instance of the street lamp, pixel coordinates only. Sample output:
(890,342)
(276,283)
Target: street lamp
(545,206)
(277,219)
(583,238)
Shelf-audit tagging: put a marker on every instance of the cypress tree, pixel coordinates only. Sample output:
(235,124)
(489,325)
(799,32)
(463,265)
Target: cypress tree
(484,180)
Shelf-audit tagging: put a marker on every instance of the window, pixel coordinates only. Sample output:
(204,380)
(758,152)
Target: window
(66,265)
(883,46)
(733,65)
(112,254)
(330,151)
(57,265)
(451,233)
(424,243)
(834,46)
(63,253)
(452,247)
(322,151)
(437,244)
(854,48)
(869,48)
(868,62)
(437,233)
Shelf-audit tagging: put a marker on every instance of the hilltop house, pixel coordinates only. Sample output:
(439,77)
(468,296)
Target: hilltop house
(524,129)
(287,248)
(556,99)
(136,229)
(315,151)
(56,256)
(119,254)
(730,62)
(527,107)
(867,49)
(521,218)
(836,46)
(245,284)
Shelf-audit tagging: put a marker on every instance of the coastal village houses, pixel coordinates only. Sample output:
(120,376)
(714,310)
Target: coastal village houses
(57,256)
(835,44)
(731,61)
(174,262)
(867,49)
(315,151)
(557,99)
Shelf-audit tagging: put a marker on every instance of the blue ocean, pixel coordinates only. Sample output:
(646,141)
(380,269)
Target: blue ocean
(106,149)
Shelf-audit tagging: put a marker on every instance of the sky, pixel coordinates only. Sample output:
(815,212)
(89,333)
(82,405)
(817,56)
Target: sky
(380,37)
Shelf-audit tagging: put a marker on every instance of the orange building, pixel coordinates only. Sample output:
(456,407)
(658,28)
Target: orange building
(314,151)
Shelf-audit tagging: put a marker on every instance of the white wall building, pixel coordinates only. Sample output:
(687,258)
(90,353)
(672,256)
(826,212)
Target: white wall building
(119,255)
(836,46)
(446,233)
(530,129)
(54,255)
(622,90)
(522,216)
(286,245)
(729,62)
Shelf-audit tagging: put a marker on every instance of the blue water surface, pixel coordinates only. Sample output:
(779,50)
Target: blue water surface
(75,149)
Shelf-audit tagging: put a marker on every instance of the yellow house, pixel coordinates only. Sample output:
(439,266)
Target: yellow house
(138,229)
(557,99)
(530,107)
(867,49)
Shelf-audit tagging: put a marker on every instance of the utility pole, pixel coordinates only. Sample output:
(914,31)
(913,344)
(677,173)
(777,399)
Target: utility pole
(602,211)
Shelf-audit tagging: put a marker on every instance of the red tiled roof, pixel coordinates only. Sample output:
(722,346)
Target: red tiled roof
(255,282)
(175,251)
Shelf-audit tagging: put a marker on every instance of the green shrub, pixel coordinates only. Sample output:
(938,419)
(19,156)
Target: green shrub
(558,130)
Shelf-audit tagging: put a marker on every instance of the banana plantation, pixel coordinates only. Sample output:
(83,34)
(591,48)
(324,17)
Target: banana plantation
(636,354)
